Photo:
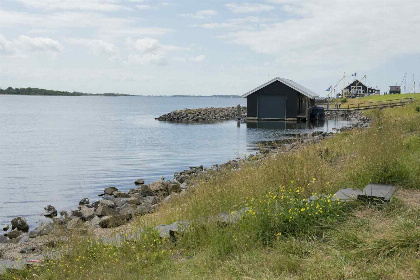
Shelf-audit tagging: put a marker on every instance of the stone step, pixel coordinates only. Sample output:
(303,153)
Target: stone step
(347,194)
(377,192)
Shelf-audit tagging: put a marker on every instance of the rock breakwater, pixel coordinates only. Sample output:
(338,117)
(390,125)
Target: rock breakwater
(202,115)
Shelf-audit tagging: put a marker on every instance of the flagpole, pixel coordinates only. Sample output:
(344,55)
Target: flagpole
(344,84)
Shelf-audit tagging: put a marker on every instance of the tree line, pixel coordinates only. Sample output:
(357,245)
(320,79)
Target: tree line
(40,91)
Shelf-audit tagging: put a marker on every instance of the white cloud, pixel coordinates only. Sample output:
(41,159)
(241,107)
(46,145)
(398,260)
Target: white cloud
(97,47)
(6,47)
(199,58)
(150,51)
(351,34)
(247,23)
(203,14)
(196,59)
(24,44)
(94,5)
(104,26)
(34,44)
(248,8)
(143,7)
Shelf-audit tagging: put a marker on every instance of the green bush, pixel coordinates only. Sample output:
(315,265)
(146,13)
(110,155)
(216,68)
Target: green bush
(288,213)
(343,100)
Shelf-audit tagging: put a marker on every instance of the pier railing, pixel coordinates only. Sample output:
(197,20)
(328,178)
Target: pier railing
(368,105)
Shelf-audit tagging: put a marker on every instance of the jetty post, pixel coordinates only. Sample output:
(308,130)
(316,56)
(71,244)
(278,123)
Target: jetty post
(238,115)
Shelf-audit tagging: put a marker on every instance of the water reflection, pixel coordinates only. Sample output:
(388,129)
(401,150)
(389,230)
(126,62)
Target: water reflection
(285,125)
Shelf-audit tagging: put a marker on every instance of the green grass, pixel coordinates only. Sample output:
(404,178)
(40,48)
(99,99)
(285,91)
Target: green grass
(374,99)
(357,241)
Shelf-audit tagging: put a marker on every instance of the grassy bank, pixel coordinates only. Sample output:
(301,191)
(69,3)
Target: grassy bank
(374,99)
(281,236)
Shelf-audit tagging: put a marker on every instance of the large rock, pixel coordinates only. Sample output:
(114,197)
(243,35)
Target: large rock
(121,201)
(64,214)
(160,188)
(182,178)
(87,213)
(20,223)
(95,222)
(110,190)
(170,231)
(104,210)
(174,187)
(152,200)
(108,197)
(183,187)
(43,229)
(139,182)
(50,211)
(146,206)
(114,221)
(134,200)
(27,250)
(59,221)
(145,190)
(109,203)
(76,213)
(74,223)
(128,209)
(84,201)
(14,234)
(3,239)
(121,195)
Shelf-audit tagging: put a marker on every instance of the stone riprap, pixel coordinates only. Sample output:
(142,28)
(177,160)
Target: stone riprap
(202,115)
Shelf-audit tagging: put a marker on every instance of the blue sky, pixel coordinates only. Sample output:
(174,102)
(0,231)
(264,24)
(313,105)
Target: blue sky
(205,47)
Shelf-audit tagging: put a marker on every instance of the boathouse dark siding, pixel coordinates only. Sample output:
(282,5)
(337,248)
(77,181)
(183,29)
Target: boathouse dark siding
(277,101)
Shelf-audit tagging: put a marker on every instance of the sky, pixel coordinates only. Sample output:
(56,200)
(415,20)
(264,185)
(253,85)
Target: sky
(167,47)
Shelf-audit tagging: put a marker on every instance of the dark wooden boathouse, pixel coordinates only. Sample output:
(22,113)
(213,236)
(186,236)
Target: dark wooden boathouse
(279,99)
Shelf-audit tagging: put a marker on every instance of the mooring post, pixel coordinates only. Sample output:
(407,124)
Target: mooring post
(238,112)
(358,106)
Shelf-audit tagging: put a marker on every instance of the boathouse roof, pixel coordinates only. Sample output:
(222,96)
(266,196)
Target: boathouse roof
(292,84)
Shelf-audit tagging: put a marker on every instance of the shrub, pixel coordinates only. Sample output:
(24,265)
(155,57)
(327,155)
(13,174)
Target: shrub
(343,100)
(287,212)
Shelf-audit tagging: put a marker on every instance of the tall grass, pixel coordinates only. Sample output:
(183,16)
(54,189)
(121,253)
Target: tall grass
(282,236)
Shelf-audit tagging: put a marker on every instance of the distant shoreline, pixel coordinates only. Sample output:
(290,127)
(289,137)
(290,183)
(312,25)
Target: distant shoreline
(46,92)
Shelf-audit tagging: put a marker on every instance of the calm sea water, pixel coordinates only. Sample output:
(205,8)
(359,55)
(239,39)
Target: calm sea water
(58,150)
